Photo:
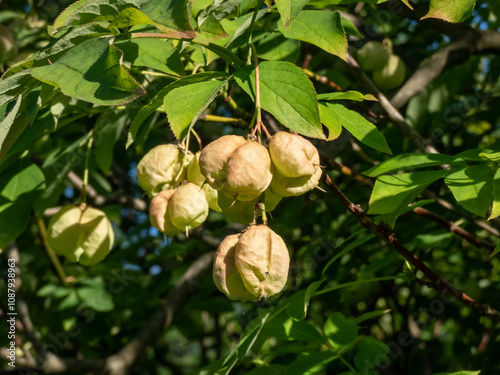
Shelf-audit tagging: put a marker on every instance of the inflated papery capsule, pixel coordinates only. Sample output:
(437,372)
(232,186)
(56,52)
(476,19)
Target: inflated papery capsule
(188,207)
(248,172)
(214,158)
(162,168)
(293,155)
(194,175)
(81,234)
(262,260)
(158,213)
(293,186)
(226,275)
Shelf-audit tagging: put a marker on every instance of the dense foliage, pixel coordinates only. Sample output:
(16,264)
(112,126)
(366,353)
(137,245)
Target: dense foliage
(393,265)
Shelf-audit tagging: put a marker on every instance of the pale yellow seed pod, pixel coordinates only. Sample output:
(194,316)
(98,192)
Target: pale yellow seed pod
(248,172)
(214,158)
(158,213)
(293,155)
(81,235)
(162,168)
(225,274)
(262,260)
(292,187)
(188,207)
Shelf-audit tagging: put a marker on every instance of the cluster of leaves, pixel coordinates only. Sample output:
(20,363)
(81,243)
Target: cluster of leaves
(119,70)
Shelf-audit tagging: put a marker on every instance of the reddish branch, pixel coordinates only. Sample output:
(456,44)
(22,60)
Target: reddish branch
(386,235)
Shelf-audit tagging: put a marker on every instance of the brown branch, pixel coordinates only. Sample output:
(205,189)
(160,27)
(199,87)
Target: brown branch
(322,79)
(394,115)
(453,228)
(457,52)
(386,235)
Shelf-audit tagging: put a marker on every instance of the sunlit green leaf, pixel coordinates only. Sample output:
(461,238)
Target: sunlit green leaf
(323,29)
(472,187)
(393,192)
(184,105)
(285,92)
(92,72)
(334,115)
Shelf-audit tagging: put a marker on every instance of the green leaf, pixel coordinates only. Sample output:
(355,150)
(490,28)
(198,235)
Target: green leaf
(285,92)
(20,186)
(289,9)
(157,100)
(331,120)
(284,327)
(339,330)
(353,245)
(299,302)
(370,315)
(274,46)
(450,10)
(409,161)
(109,126)
(152,53)
(350,28)
(336,115)
(8,113)
(13,86)
(472,187)
(369,353)
(169,15)
(130,17)
(92,72)
(496,250)
(346,95)
(393,192)
(390,219)
(323,29)
(495,210)
(87,11)
(184,105)
(310,363)
(211,29)
(96,298)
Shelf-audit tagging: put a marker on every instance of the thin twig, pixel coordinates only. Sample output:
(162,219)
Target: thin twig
(52,256)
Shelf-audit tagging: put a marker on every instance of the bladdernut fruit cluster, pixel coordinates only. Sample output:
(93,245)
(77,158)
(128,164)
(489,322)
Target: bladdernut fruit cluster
(239,177)
(251,265)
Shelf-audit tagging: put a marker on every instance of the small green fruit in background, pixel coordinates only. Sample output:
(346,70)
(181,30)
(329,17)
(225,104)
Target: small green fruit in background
(81,234)
(225,274)
(162,168)
(373,55)
(391,75)
(262,260)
